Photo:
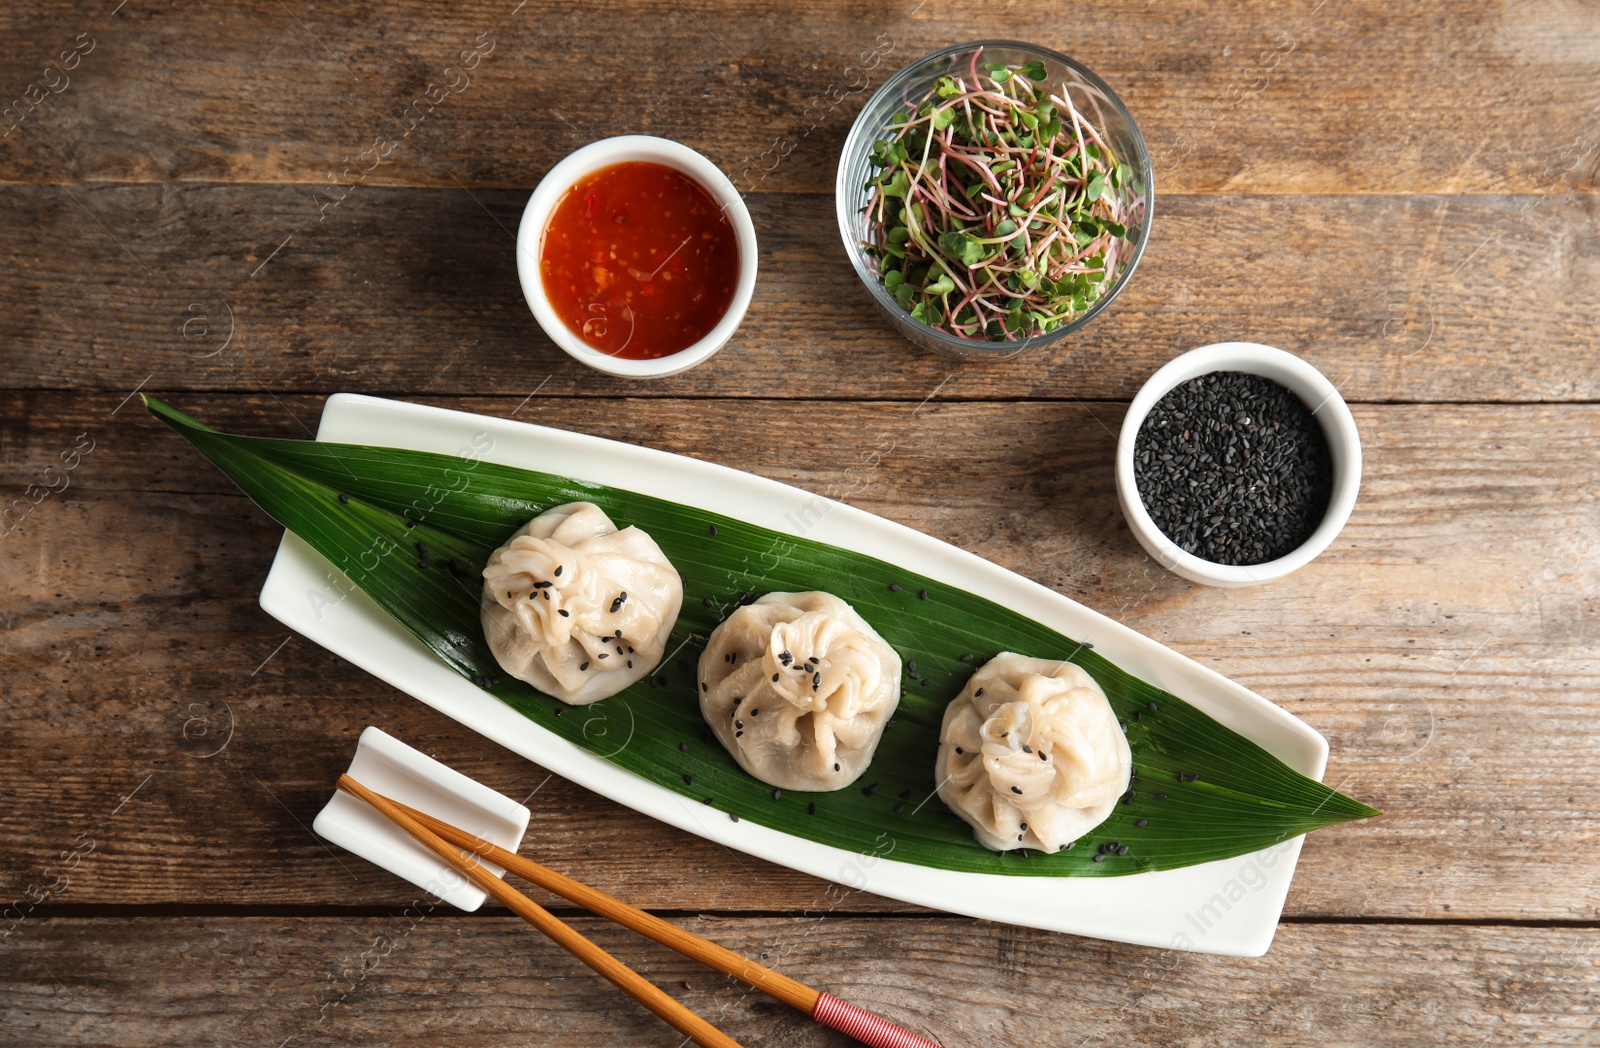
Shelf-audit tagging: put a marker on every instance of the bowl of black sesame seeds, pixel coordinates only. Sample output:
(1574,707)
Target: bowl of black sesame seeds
(1237,464)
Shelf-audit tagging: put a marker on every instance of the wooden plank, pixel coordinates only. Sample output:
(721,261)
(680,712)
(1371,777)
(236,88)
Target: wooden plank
(242,288)
(1275,97)
(1446,645)
(421,977)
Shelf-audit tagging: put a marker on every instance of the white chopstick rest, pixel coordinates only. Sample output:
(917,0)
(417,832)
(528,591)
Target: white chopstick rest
(394,769)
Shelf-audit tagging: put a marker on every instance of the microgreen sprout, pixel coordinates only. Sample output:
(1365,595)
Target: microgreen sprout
(996,210)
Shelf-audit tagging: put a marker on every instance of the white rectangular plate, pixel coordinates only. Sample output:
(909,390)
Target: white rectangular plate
(1226,907)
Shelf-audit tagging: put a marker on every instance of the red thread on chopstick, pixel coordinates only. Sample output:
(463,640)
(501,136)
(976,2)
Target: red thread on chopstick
(864,1026)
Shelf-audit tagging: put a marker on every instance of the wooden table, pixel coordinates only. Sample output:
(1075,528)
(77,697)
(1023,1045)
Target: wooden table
(194,207)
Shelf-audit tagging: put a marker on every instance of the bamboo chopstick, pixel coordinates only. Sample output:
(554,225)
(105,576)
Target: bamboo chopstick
(619,974)
(823,1007)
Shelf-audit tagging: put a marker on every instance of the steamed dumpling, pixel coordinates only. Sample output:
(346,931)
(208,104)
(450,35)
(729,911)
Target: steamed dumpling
(577,608)
(1031,754)
(798,687)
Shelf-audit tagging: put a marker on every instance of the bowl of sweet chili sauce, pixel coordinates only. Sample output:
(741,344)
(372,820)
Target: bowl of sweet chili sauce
(637,256)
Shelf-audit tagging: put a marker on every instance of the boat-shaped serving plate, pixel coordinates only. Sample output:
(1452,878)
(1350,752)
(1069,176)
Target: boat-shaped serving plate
(1227,907)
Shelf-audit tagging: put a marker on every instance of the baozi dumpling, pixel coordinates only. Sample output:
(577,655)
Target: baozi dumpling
(577,608)
(798,687)
(1031,754)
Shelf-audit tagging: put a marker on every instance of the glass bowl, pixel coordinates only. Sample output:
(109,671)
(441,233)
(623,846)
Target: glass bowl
(1089,94)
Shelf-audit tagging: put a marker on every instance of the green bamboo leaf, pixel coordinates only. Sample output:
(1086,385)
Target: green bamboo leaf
(413,530)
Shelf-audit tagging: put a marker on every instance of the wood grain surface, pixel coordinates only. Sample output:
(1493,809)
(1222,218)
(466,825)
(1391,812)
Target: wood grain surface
(241,288)
(1404,196)
(419,978)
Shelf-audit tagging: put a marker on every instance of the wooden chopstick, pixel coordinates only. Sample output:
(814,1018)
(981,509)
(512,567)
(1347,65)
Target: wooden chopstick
(619,974)
(824,1008)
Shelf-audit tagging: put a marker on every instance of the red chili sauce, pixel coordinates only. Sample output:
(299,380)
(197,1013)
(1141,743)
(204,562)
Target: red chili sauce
(639,260)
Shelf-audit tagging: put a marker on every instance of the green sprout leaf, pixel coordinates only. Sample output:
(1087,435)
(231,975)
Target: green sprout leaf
(964,247)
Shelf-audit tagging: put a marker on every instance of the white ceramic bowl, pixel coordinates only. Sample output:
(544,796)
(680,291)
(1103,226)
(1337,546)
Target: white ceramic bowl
(1300,378)
(592,157)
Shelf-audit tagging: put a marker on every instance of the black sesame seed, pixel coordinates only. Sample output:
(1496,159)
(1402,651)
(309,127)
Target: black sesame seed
(1141,823)
(738,734)
(1152,707)
(708,602)
(683,747)
(688,780)
(959,750)
(344,499)
(630,664)
(708,800)
(564,613)
(1233,468)
(704,686)
(775,678)
(835,765)
(560,712)
(583,667)
(1122,849)
(777,795)
(1026,748)
(712,529)
(922,594)
(1127,798)
(967,657)
(894,587)
(603,655)
(1016,789)
(411,523)
(1161,796)
(1043,755)
(911,666)
(978,694)
(732,816)
(1100,858)
(754,712)
(1180,776)
(1138,716)
(905,794)
(557,572)
(870,790)
(811,809)
(899,809)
